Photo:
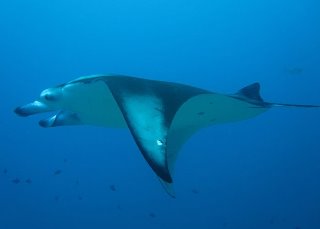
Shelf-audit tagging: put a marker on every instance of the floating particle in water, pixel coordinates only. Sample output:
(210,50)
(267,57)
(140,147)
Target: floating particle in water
(195,191)
(5,171)
(113,188)
(57,172)
(16,181)
(80,198)
(28,181)
(56,198)
(201,113)
(152,215)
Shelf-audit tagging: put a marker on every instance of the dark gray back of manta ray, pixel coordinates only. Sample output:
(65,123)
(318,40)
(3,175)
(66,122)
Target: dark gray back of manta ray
(170,97)
(173,95)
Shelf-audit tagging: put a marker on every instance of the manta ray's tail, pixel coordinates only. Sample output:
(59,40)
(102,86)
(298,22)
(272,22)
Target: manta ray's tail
(251,93)
(294,105)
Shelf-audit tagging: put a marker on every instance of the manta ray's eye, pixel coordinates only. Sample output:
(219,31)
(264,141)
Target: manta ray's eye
(51,95)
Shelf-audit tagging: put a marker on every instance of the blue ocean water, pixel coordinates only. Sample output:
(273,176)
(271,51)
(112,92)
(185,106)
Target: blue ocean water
(259,173)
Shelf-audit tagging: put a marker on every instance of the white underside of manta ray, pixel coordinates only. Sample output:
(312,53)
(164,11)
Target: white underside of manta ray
(161,116)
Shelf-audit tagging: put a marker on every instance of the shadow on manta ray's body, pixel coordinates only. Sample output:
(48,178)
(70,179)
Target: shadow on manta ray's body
(161,116)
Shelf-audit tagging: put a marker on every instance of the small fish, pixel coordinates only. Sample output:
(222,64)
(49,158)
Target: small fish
(152,215)
(113,188)
(57,172)
(295,71)
(16,181)
(28,181)
(5,171)
(80,198)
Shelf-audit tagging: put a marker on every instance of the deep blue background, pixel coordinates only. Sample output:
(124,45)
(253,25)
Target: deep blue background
(260,173)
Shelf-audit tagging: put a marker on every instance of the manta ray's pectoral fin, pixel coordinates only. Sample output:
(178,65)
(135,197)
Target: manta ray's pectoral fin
(63,118)
(146,122)
(149,106)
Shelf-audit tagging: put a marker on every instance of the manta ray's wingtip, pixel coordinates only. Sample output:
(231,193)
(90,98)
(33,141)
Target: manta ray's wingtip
(168,187)
(173,196)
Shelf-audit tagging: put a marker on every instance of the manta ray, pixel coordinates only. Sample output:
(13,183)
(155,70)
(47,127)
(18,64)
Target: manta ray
(161,116)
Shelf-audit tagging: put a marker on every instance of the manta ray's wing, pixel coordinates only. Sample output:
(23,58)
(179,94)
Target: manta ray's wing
(162,116)
(149,108)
